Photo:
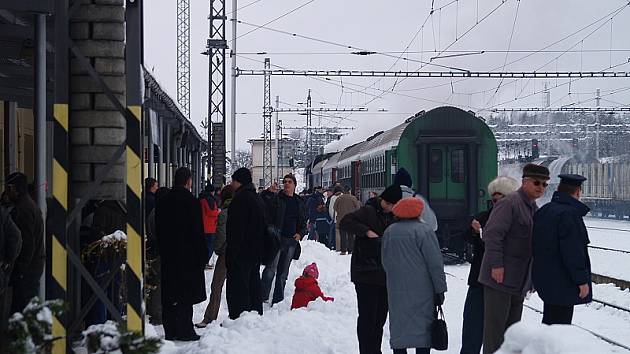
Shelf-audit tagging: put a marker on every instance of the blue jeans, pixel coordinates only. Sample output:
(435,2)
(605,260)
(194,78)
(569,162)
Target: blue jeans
(209,244)
(279,269)
(472,329)
(312,231)
(323,229)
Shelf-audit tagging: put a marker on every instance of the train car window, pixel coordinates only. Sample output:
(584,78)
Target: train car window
(435,166)
(457,166)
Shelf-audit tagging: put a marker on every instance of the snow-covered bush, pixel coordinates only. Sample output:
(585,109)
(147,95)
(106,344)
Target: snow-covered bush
(110,337)
(30,331)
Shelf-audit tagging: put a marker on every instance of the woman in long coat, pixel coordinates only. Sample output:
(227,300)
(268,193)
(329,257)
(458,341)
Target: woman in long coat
(415,277)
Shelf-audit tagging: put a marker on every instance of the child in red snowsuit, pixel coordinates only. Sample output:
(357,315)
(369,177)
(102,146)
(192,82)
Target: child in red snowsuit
(306,288)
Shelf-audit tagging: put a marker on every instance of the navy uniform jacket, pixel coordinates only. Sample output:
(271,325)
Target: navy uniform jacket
(560,254)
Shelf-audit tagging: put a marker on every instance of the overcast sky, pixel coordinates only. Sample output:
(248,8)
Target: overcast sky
(389,28)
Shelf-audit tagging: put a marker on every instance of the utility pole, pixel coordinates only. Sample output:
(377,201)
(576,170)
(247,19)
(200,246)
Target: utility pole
(183,55)
(216,47)
(547,103)
(278,138)
(597,100)
(267,109)
(233,88)
(309,121)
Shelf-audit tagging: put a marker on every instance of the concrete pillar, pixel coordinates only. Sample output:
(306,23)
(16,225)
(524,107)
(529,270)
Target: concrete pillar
(97,128)
(168,155)
(160,174)
(10,137)
(151,147)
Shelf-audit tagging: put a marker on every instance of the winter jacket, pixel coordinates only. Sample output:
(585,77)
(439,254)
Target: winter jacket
(245,228)
(210,214)
(306,290)
(316,207)
(149,203)
(474,239)
(427,216)
(346,204)
(507,238)
(415,274)
(29,265)
(276,209)
(331,206)
(219,243)
(182,247)
(560,251)
(365,265)
(10,246)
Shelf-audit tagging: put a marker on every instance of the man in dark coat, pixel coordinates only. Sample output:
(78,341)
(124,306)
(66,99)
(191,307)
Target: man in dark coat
(506,266)
(317,217)
(29,265)
(287,221)
(150,187)
(183,254)
(366,270)
(245,235)
(561,269)
(10,247)
(472,328)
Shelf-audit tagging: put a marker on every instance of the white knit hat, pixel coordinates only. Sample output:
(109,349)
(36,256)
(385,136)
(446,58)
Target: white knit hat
(503,184)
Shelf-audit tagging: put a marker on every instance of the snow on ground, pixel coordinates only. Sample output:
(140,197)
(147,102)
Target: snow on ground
(330,327)
(601,233)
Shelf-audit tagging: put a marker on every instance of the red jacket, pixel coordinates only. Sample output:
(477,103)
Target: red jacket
(306,290)
(210,217)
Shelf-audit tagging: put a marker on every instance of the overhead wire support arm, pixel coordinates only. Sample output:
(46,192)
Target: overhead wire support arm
(439,74)
(298,110)
(563,109)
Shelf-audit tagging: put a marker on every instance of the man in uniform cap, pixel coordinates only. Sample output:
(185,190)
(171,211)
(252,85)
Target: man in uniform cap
(561,269)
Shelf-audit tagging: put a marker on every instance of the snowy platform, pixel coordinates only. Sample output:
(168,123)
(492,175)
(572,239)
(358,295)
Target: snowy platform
(330,327)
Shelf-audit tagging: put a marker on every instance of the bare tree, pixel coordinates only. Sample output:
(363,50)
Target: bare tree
(243,158)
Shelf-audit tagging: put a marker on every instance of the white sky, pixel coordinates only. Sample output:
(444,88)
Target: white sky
(389,27)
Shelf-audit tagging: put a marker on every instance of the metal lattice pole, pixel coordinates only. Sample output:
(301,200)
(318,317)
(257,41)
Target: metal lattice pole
(183,55)
(216,46)
(267,110)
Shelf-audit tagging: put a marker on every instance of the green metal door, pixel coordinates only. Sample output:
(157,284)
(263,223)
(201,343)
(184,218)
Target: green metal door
(447,172)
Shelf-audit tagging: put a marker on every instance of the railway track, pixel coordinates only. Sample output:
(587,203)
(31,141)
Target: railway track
(607,228)
(601,302)
(609,249)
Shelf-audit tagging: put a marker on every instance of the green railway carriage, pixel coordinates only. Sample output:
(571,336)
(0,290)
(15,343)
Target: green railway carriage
(451,155)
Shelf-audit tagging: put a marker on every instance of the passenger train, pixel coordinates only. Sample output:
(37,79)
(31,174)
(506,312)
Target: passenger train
(451,155)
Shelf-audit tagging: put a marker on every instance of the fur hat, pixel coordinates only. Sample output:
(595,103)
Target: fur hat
(242,175)
(311,270)
(408,208)
(503,185)
(536,171)
(392,194)
(403,178)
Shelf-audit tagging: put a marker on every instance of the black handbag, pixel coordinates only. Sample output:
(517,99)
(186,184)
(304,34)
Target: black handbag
(439,333)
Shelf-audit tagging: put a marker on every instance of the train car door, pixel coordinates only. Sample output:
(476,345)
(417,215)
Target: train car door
(447,173)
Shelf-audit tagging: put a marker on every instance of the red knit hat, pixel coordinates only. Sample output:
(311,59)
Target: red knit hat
(311,270)
(408,208)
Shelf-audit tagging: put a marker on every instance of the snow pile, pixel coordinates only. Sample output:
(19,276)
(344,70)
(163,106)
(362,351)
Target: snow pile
(117,236)
(529,338)
(322,327)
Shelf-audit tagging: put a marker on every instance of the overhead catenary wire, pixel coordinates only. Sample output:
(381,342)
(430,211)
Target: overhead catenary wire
(274,20)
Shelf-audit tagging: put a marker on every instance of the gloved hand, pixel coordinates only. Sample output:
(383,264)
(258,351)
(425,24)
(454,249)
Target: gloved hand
(438,299)
(326,298)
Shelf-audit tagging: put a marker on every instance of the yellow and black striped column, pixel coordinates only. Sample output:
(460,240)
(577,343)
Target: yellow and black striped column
(58,211)
(57,264)
(135,249)
(135,223)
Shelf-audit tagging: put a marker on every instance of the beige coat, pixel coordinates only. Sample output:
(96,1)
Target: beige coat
(345,204)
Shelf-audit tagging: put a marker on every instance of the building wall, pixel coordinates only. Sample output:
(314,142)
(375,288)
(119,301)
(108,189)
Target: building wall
(25,159)
(257,159)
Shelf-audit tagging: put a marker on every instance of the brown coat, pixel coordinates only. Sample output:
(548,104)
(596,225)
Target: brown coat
(507,239)
(346,204)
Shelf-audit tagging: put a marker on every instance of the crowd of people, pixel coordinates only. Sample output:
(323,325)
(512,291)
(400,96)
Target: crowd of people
(396,263)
